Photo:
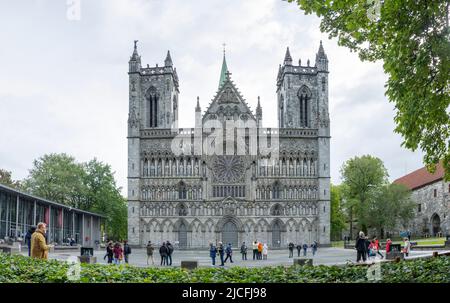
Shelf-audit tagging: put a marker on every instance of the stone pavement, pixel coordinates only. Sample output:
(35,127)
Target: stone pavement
(326,256)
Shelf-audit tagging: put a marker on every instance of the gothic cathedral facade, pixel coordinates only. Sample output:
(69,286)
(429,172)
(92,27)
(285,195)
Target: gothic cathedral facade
(192,187)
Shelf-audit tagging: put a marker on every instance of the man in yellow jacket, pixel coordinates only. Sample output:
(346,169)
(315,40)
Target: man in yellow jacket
(39,247)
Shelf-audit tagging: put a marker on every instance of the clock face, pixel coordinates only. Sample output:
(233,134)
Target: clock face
(228,169)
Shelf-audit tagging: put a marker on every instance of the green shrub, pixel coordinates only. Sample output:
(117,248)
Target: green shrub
(21,269)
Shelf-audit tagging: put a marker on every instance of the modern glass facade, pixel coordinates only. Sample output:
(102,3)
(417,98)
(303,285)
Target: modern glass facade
(19,211)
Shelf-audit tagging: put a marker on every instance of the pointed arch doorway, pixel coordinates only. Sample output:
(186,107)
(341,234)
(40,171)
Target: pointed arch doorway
(230,234)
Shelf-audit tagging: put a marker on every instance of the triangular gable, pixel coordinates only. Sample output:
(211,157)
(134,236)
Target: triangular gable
(228,99)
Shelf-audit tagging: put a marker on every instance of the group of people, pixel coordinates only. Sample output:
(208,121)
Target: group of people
(116,253)
(367,249)
(220,250)
(301,247)
(165,251)
(260,250)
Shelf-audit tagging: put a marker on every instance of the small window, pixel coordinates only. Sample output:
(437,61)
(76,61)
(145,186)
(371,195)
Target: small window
(324,208)
(133,230)
(419,208)
(435,193)
(132,209)
(132,166)
(449,188)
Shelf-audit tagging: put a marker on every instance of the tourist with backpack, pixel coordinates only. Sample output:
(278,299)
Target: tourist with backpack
(221,251)
(212,253)
(229,252)
(244,251)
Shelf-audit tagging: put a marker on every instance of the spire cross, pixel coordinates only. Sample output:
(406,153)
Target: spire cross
(224,44)
(135,42)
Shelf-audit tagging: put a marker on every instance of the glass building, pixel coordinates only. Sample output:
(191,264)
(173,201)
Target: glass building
(19,211)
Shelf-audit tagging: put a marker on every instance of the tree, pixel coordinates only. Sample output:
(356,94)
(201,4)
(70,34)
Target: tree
(361,177)
(88,186)
(390,207)
(337,219)
(103,196)
(412,39)
(57,177)
(6,179)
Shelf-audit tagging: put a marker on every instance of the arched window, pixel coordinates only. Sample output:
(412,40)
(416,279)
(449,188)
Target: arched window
(304,95)
(152,97)
(276,190)
(281,111)
(182,191)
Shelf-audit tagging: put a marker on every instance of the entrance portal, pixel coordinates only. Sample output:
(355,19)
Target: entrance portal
(276,234)
(230,234)
(182,235)
(435,224)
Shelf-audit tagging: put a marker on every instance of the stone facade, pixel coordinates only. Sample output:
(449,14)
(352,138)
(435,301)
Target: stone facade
(217,182)
(433,205)
(432,197)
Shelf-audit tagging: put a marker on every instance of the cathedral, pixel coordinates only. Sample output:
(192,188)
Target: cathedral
(228,178)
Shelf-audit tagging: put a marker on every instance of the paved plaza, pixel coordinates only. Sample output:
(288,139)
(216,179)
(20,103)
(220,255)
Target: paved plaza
(325,256)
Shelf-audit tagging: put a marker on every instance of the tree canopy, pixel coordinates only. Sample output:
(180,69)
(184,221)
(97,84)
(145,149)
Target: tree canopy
(411,37)
(6,179)
(88,186)
(371,199)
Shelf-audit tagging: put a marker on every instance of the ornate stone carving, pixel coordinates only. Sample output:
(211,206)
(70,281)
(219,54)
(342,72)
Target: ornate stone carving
(228,169)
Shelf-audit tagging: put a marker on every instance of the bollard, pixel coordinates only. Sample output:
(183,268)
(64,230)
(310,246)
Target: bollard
(302,262)
(190,265)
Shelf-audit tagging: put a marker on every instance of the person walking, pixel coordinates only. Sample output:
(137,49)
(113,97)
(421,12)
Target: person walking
(213,253)
(169,252)
(314,248)
(221,251)
(388,246)
(109,252)
(163,253)
(255,250)
(244,251)
(406,247)
(299,249)
(126,250)
(150,250)
(378,247)
(265,251)
(291,249)
(305,249)
(361,248)
(28,238)
(39,247)
(367,246)
(118,253)
(260,249)
(229,252)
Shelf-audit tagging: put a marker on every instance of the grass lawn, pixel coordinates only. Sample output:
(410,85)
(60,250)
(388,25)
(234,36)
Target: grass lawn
(337,244)
(425,241)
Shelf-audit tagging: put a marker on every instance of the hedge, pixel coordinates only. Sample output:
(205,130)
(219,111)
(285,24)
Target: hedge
(17,268)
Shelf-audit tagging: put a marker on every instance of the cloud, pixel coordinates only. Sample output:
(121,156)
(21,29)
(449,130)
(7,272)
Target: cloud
(64,83)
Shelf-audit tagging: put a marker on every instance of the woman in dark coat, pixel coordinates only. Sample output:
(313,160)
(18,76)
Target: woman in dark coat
(360,245)
(109,252)
(28,238)
(163,251)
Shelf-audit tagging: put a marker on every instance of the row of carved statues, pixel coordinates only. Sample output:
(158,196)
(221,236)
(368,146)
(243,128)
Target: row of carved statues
(291,167)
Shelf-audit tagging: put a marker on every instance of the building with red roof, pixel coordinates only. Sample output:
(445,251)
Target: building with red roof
(432,196)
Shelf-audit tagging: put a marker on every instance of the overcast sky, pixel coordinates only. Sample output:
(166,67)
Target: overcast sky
(64,82)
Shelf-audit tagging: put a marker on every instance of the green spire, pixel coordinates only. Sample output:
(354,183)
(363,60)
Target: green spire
(223,72)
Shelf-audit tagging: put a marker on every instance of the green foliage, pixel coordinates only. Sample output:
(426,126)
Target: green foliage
(362,177)
(412,39)
(24,269)
(390,206)
(88,186)
(6,179)
(337,217)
